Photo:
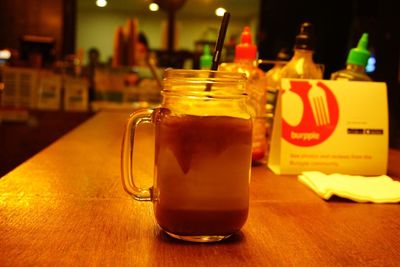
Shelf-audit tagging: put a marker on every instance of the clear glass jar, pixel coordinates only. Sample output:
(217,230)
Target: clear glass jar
(203,138)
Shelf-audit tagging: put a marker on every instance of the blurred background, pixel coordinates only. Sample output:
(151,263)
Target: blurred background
(50,34)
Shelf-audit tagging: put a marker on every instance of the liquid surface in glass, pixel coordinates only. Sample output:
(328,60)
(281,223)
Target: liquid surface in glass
(202,173)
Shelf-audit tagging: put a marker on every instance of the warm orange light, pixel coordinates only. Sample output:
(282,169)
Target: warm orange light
(101,3)
(153,7)
(5,54)
(220,11)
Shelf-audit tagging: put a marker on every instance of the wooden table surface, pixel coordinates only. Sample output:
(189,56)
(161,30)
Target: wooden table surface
(66,206)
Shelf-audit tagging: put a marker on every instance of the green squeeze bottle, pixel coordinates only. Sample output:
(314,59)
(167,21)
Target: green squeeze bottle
(356,62)
(206,58)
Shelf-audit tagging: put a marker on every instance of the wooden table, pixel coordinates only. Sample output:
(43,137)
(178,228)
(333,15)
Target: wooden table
(66,206)
(21,140)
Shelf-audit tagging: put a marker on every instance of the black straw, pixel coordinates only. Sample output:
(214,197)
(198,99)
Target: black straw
(220,42)
(219,45)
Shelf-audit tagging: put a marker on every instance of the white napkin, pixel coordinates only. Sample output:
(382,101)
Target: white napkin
(378,189)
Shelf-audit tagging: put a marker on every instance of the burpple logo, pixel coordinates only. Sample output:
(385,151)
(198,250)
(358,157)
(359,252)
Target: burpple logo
(310,113)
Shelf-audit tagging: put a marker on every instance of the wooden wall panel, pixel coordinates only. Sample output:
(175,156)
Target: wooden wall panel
(38,17)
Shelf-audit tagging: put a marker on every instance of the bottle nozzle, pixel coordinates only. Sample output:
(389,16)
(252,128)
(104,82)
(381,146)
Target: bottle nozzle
(306,28)
(304,40)
(246,50)
(246,36)
(360,54)
(363,42)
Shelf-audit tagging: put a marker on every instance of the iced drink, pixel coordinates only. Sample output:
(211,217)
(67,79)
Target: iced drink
(202,173)
(202,157)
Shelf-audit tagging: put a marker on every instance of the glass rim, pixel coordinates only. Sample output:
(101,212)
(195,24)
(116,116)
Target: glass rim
(207,75)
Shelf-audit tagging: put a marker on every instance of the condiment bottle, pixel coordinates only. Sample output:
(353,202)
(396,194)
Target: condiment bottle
(206,58)
(302,65)
(246,62)
(356,62)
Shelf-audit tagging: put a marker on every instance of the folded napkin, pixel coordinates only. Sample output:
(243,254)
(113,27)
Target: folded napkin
(378,189)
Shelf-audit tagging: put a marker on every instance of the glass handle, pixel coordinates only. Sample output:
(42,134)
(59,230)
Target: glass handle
(127,173)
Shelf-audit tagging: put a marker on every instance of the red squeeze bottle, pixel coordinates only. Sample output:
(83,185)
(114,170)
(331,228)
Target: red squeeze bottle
(246,61)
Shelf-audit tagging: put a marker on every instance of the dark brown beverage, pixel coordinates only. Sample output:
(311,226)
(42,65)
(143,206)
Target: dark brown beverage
(202,174)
